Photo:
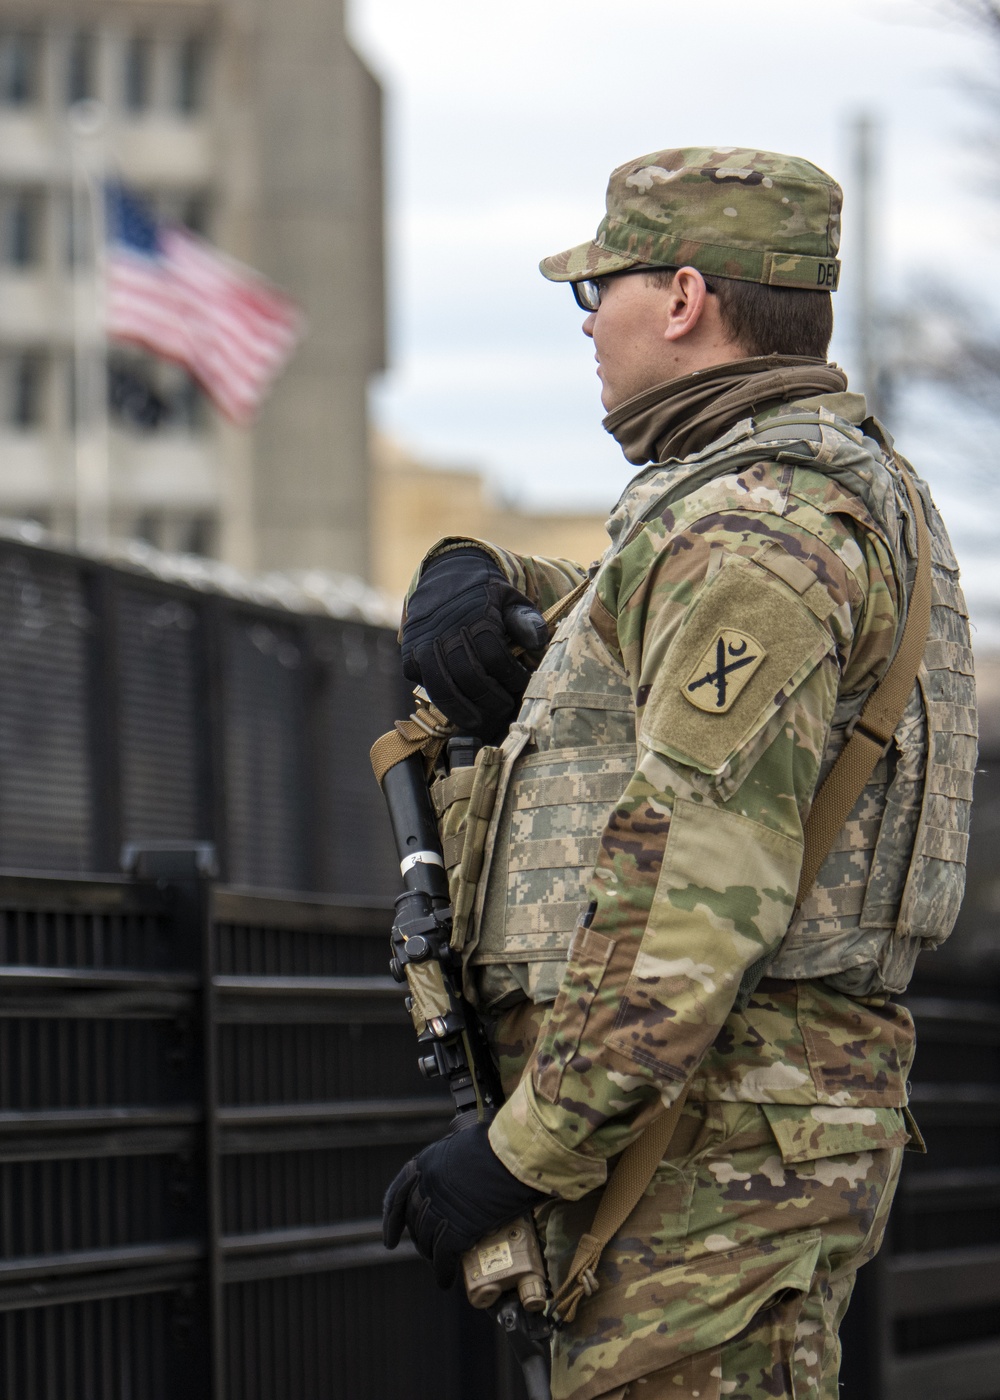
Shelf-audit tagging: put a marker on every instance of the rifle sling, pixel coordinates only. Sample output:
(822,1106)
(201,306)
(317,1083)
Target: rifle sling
(628,1181)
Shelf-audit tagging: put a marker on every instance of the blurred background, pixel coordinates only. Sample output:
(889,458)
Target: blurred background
(502,127)
(399,171)
(206,1076)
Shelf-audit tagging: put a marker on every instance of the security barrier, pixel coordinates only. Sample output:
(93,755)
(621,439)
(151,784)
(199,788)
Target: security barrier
(924,1323)
(202,1095)
(134,709)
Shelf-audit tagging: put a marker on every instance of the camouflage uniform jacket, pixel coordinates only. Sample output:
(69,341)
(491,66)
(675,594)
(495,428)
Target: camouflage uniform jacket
(698,690)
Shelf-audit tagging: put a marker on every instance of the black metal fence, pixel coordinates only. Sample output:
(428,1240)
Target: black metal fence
(202,1095)
(136,710)
(924,1323)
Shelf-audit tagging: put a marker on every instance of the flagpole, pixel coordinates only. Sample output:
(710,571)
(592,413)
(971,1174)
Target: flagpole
(873,379)
(92,437)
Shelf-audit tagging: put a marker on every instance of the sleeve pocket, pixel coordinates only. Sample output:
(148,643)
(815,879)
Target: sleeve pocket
(589,954)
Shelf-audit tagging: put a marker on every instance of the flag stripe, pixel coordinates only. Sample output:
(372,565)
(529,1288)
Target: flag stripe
(230,329)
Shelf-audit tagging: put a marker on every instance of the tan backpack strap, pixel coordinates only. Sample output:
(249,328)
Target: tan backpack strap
(626,1186)
(871,731)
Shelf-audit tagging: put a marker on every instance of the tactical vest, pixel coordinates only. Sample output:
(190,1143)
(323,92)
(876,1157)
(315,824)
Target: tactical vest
(522,829)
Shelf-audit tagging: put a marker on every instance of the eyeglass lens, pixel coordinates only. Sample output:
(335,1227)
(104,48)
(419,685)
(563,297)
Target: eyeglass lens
(588,295)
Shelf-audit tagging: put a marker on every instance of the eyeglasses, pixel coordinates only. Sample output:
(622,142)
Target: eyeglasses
(588,294)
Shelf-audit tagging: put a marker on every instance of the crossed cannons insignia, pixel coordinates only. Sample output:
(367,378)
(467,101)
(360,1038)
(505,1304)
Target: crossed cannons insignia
(723,671)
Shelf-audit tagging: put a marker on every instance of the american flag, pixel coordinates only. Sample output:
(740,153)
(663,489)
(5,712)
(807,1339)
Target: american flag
(174,294)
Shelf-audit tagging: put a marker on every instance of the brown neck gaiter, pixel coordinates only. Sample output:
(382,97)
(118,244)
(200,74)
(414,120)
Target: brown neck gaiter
(675,419)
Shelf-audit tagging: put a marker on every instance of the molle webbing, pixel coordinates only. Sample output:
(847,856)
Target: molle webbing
(934,883)
(545,849)
(566,763)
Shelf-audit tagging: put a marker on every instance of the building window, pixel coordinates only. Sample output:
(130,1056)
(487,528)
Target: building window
(21,229)
(192,209)
(148,395)
(190,80)
(196,535)
(25,390)
(189,405)
(139,73)
(134,399)
(81,68)
(19,69)
(195,214)
(178,534)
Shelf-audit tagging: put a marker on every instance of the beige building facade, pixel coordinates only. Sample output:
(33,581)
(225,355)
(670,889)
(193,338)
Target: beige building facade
(256,124)
(417,503)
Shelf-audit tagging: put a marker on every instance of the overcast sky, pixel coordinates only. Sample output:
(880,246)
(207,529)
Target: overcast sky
(503,122)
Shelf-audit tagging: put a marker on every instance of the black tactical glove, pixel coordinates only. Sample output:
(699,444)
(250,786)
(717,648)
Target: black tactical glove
(451,1195)
(461,623)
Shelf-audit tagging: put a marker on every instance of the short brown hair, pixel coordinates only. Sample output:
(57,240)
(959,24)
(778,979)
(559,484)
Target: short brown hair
(765,320)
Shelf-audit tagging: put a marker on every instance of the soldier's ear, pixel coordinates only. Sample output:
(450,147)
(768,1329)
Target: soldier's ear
(685,308)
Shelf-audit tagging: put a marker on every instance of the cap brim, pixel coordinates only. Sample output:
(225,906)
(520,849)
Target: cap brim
(583,262)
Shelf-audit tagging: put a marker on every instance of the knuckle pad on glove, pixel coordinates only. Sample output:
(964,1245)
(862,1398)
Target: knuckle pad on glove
(497,662)
(526,626)
(477,683)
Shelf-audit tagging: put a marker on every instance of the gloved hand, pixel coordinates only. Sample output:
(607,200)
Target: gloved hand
(449,1196)
(461,623)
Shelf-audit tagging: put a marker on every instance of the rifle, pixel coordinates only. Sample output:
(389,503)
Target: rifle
(504,1272)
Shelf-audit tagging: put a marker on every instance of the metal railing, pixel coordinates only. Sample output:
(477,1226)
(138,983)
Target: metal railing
(203,1093)
(136,709)
(924,1323)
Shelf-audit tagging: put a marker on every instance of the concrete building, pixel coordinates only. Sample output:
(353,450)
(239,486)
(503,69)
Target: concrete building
(256,124)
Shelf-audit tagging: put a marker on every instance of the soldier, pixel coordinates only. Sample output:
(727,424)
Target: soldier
(627,887)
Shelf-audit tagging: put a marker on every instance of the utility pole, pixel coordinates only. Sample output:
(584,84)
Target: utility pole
(91,430)
(868,341)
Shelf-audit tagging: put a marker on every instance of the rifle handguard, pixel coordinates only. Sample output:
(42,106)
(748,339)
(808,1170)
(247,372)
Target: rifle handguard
(505,1271)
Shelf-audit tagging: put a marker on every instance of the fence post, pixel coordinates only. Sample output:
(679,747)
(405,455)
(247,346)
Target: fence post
(184,871)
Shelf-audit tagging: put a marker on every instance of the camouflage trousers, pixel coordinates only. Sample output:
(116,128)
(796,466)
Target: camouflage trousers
(732,1275)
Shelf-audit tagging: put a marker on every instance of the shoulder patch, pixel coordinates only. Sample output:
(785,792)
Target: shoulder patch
(723,671)
(745,645)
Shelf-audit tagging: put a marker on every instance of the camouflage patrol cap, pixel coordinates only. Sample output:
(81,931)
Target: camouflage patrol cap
(751,215)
